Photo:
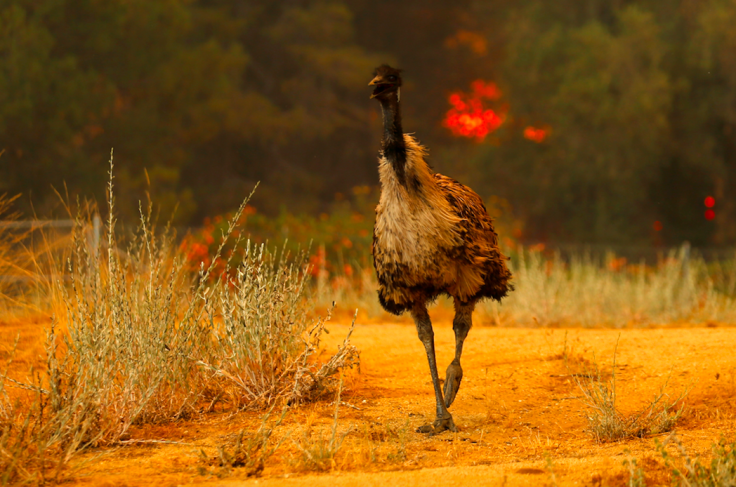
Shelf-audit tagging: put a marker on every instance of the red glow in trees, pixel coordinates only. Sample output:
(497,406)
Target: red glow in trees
(536,134)
(469,117)
(710,202)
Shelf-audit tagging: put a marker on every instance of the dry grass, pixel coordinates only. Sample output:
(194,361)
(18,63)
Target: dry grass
(317,450)
(689,472)
(32,260)
(33,444)
(636,473)
(10,263)
(15,447)
(681,470)
(580,291)
(606,422)
(586,292)
(17,271)
(263,346)
(248,452)
(357,291)
(141,340)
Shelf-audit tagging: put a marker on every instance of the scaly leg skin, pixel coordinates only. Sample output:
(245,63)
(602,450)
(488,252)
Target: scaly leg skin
(426,335)
(461,324)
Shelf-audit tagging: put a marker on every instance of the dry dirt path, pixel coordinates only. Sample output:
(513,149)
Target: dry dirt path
(521,417)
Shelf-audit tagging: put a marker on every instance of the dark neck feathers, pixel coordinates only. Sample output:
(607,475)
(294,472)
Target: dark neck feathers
(394,148)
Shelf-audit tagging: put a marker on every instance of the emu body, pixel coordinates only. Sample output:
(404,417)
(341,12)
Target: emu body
(432,236)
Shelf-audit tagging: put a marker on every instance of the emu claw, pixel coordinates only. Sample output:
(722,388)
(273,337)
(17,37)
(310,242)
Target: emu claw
(439,425)
(452,381)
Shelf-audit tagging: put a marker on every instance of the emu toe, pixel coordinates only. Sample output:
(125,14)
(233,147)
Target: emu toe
(452,381)
(439,425)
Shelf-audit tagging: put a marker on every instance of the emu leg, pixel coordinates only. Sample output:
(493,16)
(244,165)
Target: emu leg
(461,324)
(426,335)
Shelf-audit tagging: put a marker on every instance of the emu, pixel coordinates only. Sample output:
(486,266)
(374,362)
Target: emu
(432,236)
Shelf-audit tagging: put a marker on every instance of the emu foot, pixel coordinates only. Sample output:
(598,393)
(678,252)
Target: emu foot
(439,425)
(452,381)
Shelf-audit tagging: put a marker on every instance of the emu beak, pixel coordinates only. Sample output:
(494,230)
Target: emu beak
(375,82)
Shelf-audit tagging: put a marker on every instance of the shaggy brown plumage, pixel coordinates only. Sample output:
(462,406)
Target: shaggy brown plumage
(432,236)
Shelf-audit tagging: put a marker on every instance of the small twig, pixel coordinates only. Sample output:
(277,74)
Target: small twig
(28,387)
(165,442)
(343,403)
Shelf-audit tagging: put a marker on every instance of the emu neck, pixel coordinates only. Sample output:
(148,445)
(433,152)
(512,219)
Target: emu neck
(394,148)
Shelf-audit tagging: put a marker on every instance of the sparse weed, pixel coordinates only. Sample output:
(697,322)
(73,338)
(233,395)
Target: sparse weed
(317,451)
(551,474)
(249,452)
(689,472)
(636,473)
(607,423)
(375,438)
(33,448)
(21,448)
(16,448)
(399,456)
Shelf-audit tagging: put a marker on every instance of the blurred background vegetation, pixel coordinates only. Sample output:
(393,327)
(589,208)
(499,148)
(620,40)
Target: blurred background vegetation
(614,119)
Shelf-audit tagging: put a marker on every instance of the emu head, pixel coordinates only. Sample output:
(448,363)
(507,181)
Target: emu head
(387,80)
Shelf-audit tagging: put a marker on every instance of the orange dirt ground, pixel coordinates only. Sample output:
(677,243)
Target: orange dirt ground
(521,417)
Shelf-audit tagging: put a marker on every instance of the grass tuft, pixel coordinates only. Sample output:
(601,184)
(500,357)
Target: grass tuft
(317,451)
(689,472)
(607,423)
(248,452)
(636,473)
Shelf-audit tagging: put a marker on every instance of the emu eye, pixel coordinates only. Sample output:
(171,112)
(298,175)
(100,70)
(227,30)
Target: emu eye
(392,78)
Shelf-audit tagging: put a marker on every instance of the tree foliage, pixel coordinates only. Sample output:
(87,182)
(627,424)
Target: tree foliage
(639,101)
(202,98)
(199,98)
